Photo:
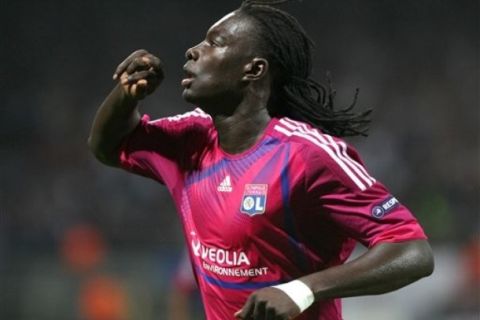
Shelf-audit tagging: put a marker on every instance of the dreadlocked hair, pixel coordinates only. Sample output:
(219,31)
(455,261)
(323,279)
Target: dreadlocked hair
(295,94)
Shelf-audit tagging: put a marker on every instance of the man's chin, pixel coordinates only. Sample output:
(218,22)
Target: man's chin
(187,96)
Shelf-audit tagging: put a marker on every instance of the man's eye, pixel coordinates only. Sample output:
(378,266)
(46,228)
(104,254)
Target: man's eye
(216,43)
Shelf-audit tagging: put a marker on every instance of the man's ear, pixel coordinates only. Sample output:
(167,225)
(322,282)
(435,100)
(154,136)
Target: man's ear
(255,69)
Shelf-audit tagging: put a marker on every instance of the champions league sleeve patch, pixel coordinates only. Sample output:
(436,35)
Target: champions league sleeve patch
(382,209)
(254,200)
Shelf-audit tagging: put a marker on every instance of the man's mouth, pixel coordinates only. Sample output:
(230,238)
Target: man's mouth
(186,82)
(188,78)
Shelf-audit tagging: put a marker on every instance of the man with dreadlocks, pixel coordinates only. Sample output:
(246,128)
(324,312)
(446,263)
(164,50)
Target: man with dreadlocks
(272,200)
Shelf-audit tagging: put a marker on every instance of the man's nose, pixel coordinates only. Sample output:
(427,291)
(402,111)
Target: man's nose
(192,53)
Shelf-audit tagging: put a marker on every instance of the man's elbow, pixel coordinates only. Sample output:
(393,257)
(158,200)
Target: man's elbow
(429,265)
(423,259)
(104,157)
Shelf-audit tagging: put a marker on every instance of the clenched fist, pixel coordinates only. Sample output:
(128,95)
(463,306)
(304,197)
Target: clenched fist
(268,304)
(139,74)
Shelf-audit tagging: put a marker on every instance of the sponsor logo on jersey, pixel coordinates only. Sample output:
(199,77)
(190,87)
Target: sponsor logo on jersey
(223,262)
(254,200)
(385,207)
(225,185)
(219,255)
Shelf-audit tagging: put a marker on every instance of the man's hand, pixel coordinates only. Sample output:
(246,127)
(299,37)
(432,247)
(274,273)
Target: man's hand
(140,74)
(268,304)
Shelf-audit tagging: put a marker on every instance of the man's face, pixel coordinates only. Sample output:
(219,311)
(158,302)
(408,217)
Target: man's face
(215,67)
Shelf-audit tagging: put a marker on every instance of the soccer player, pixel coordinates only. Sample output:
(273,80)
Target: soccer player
(272,200)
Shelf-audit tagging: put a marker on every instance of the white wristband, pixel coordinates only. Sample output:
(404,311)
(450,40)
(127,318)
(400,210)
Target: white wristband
(299,292)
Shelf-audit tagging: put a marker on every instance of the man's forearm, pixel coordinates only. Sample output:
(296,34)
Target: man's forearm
(115,119)
(384,268)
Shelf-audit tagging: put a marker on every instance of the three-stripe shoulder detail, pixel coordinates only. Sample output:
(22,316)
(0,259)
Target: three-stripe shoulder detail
(197,113)
(335,149)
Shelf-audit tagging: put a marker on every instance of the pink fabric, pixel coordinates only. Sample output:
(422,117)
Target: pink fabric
(293,204)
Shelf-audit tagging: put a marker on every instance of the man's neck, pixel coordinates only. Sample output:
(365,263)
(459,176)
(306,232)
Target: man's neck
(242,130)
(245,119)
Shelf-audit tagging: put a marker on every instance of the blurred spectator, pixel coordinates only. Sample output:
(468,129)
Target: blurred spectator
(184,298)
(82,248)
(103,298)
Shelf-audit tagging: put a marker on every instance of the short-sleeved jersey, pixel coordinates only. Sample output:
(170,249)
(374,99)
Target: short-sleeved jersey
(293,204)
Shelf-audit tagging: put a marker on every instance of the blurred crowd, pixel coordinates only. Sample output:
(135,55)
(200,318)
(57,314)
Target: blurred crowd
(72,229)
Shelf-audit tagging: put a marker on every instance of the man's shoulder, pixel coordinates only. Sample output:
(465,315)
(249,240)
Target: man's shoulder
(311,139)
(195,116)
(326,154)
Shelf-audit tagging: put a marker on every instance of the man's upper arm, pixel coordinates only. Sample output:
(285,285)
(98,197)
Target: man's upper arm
(367,212)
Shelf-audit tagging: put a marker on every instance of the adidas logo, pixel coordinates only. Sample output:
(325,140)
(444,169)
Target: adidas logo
(225,185)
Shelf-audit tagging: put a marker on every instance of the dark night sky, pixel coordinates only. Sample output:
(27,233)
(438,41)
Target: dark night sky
(416,63)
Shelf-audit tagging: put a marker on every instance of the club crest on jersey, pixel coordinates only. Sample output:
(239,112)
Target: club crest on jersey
(254,200)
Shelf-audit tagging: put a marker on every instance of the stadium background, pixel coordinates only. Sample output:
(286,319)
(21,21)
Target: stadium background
(82,241)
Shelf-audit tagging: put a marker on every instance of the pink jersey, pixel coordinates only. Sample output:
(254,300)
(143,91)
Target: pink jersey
(293,204)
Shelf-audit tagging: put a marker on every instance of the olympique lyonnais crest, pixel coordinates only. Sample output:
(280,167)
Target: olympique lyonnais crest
(254,199)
